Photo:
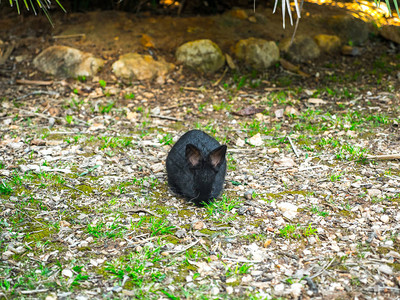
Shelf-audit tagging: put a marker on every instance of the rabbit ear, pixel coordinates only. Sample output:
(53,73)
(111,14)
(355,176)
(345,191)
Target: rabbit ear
(217,156)
(193,155)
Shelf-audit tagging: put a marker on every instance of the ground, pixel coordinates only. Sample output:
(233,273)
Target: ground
(310,206)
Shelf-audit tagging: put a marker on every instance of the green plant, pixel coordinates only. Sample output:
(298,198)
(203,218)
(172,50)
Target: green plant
(160,227)
(69,119)
(129,96)
(102,83)
(166,139)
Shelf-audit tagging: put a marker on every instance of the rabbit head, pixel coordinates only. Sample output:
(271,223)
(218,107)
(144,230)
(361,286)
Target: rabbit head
(204,170)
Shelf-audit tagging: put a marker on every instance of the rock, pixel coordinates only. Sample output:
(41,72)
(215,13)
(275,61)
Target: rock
(239,13)
(304,48)
(327,43)
(255,140)
(279,289)
(67,62)
(6,255)
(289,210)
(202,55)
(350,51)
(385,269)
(295,290)
(287,162)
(391,33)
(385,218)
(348,28)
(257,53)
(66,273)
(290,110)
(141,67)
(374,192)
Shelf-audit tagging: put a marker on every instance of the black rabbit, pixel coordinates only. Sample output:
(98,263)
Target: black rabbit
(196,167)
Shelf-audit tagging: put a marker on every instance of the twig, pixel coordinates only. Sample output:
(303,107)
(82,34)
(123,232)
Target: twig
(242,260)
(38,93)
(219,79)
(323,269)
(73,188)
(69,36)
(34,291)
(384,157)
(186,248)
(135,210)
(295,257)
(166,118)
(293,147)
(34,82)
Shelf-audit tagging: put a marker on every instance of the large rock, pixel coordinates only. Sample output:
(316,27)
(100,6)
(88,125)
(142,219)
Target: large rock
(141,67)
(257,53)
(67,62)
(202,55)
(302,49)
(391,33)
(328,43)
(348,28)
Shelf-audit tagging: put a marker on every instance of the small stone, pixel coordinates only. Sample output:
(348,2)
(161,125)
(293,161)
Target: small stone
(213,257)
(84,244)
(256,273)
(385,269)
(240,142)
(198,225)
(66,273)
(279,289)
(247,278)
(215,290)
(279,113)
(273,150)
(385,218)
(6,255)
(249,194)
(295,289)
(180,233)
(267,243)
(229,290)
(255,140)
(51,296)
(165,253)
(374,192)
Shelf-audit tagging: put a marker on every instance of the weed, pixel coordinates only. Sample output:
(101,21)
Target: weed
(160,227)
(166,139)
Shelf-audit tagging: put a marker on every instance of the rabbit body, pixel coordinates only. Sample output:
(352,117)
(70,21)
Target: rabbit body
(196,167)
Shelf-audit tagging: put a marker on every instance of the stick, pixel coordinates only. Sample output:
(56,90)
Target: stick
(38,93)
(135,210)
(69,36)
(219,79)
(186,248)
(323,269)
(293,147)
(35,82)
(73,188)
(384,157)
(33,291)
(166,118)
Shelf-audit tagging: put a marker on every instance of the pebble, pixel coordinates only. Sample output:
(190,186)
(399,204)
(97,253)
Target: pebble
(374,193)
(295,289)
(385,218)
(279,289)
(66,273)
(385,269)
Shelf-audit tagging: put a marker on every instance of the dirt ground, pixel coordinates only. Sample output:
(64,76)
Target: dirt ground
(310,206)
